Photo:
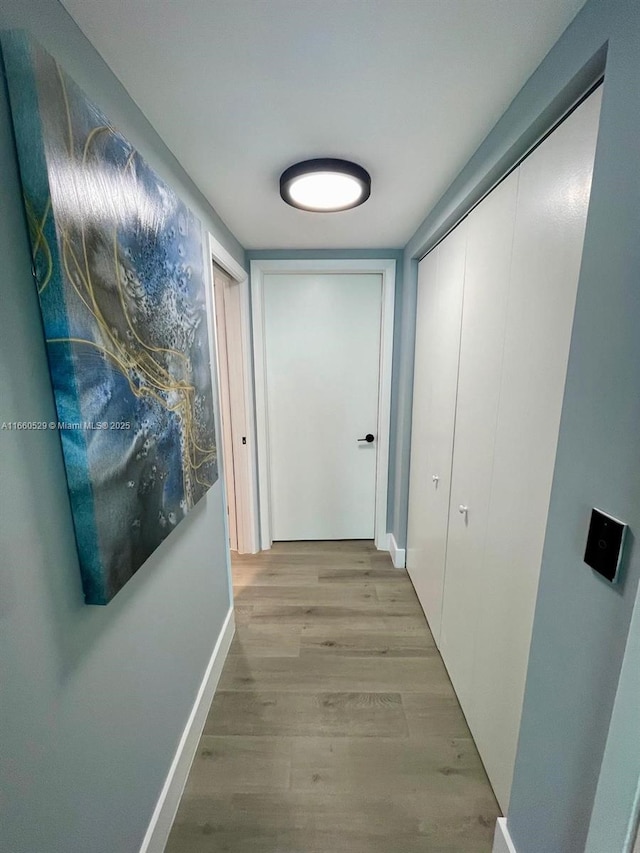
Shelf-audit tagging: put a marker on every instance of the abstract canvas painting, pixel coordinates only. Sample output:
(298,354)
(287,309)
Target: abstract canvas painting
(119,266)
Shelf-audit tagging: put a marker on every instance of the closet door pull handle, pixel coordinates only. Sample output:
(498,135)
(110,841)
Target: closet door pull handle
(463,510)
(435,479)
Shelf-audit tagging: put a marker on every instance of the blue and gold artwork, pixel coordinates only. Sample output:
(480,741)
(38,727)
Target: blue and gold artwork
(119,265)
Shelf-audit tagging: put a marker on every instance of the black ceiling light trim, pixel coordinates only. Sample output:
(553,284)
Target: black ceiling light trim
(329,165)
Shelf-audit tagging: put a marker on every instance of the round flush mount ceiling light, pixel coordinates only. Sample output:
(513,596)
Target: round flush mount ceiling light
(325,185)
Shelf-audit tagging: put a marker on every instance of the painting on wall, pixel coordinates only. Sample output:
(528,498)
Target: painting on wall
(119,266)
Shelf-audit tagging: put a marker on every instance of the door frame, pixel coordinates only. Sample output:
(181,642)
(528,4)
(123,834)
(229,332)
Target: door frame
(246,470)
(224,394)
(381,266)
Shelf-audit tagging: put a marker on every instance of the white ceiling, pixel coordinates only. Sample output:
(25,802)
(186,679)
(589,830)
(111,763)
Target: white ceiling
(241,89)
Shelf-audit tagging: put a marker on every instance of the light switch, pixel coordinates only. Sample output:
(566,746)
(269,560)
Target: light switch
(604,544)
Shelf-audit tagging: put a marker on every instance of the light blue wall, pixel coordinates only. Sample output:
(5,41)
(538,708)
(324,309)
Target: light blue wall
(614,818)
(92,700)
(321,254)
(350,254)
(580,623)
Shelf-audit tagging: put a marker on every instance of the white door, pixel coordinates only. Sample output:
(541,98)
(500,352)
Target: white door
(438,320)
(553,197)
(488,259)
(322,354)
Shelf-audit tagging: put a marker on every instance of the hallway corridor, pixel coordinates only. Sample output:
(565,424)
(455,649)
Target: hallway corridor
(334,727)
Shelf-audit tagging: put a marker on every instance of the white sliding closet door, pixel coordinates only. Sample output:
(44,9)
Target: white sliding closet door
(488,262)
(521,268)
(439,315)
(553,197)
(419,567)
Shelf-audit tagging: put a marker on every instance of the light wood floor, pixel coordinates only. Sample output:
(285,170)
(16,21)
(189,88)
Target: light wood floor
(335,727)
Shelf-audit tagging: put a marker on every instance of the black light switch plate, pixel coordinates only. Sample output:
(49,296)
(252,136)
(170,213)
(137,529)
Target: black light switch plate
(604,544)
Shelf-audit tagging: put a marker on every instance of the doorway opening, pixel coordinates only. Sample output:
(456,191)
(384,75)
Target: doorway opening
(237,411)
(295,306)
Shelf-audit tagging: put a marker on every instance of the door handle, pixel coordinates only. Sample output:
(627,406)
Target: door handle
(463,510)
(435,478)
(368,438)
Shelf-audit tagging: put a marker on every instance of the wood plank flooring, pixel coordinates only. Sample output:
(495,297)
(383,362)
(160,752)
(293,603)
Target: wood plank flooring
(335,728)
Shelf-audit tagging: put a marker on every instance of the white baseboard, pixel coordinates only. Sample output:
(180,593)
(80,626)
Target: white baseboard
(155,839)
(502,842)
(398,555)
(382,542)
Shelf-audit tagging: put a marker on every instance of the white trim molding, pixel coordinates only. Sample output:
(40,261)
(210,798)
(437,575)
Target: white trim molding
(502,842)
(247,476)
(387,269)
(157,833)
(226,260)
(398,555)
